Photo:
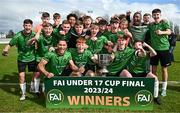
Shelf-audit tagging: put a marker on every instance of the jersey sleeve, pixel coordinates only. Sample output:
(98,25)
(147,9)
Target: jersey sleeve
(47,56)
(70,56)
(104,39)
(166,24)
(14,40)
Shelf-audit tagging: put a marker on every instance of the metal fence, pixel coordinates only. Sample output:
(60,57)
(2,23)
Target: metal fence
(4,40)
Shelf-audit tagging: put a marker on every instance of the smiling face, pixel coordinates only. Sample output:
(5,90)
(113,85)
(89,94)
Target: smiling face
(57,20)
(66,27)
(94,30)
(81,45)
(72,20)
(146,18)
(27,28)
(102,28)
(45,20)
(79,29)
(121,43)
(87,22)
(156,16)
(124,25)
(61,47)
(137,19)
(48,30)
(114,27)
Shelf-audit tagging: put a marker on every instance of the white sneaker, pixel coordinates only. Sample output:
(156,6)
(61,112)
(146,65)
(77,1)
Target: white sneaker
(23,97)
(163,93)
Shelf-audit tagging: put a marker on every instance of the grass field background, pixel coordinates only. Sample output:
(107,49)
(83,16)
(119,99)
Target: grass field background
(9,94)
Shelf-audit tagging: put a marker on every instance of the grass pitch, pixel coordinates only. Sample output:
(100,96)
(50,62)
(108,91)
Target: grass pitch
(10,91)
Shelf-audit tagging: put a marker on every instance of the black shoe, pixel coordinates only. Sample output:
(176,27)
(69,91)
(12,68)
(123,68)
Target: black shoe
(37,95)
(157,100)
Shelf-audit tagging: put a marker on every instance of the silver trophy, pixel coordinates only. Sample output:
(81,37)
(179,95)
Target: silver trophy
(103,61)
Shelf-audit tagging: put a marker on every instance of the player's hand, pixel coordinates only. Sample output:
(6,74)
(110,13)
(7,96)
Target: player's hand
(110,49)
(33,40)
(126,32)
(81,69)
(159,32)
(112,56)
(93,38)
(51,49)
(95,56)
(62,32)
(50,75)
(4,53)
(110,43)
(145,44)
(37,36)
(87,37)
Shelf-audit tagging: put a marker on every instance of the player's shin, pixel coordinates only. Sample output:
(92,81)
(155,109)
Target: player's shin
(156,89)
(36,84)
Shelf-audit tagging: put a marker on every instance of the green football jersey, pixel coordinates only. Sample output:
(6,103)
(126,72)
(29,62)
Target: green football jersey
(26,53)
(96,46)
(120,61)
(57,63)
(113,37)
(159,42)
(57,36)
(138,32)
(138,65)
(80,59)
(43,43)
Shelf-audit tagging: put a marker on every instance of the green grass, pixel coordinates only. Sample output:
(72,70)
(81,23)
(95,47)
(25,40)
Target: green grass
(9,95)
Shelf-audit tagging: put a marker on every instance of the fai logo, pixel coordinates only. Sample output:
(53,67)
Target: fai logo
(55,96)
(143,97)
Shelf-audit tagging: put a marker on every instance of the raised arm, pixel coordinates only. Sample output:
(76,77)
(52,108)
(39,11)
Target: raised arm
(152,51)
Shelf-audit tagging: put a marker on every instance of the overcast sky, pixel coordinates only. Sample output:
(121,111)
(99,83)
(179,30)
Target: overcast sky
(13,12)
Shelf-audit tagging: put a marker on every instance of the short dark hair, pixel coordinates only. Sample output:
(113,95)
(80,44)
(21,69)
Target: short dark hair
(121,36)
(72,15)
(136,14)
(65,22)
(45,14)
(78,23)
(56,15)
(138,41)
(114,20)
(122,16)
(146,14)
(94,25)
(87,17)
(28,21)
(102,22)
(47,25)
(156,11)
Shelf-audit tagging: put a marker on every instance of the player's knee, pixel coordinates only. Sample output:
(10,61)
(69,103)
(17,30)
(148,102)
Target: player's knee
(90,73)
(75,74)
(125,73)
(151,75)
